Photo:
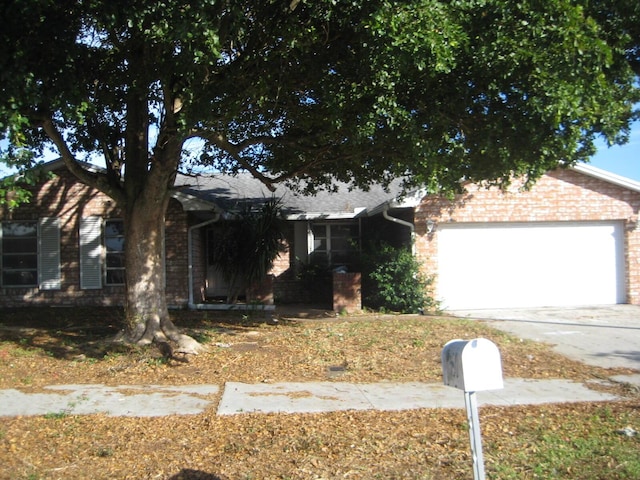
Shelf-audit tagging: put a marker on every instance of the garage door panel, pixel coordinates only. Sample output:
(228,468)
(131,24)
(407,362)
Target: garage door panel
(523,265)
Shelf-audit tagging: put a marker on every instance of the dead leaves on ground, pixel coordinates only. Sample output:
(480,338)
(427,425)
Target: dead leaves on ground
(414,444)
(363,350)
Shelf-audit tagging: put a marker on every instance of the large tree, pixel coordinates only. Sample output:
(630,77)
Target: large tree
(358,90)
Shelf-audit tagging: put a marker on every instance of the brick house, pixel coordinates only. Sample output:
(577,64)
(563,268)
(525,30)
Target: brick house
(574,238)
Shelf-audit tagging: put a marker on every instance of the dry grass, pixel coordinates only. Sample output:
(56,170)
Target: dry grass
(41,347)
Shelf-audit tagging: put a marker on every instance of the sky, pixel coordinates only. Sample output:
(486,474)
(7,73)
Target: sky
(622,160)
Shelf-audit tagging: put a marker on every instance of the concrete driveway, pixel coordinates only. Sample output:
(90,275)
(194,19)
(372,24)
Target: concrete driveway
(606,336)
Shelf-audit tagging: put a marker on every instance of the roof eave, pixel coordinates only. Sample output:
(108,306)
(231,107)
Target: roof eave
(606,176)
(410,200)
(357,212)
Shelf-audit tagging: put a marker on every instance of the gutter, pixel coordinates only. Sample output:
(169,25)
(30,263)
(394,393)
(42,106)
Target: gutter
(191,305)
(411,226)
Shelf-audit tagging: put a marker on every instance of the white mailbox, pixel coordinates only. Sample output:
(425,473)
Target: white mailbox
(472,366)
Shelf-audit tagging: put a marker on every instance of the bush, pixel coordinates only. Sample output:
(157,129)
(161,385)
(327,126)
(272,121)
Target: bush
(392,280)
(246,249)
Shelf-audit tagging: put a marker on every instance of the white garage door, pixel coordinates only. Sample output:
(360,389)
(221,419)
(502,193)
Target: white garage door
(530,265)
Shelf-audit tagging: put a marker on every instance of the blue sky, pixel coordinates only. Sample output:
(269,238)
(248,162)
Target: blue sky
(622,160)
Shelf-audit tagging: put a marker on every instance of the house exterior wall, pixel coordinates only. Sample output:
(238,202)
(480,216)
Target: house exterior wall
(176,255)
(63,197)
(561,195)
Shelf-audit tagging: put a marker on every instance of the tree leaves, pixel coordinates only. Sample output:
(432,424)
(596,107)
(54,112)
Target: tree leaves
(362,91)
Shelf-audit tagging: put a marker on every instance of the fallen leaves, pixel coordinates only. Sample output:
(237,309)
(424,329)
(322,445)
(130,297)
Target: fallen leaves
(415,444)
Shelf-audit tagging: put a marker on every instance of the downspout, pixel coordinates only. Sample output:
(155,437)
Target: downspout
(385,214)
(191,305)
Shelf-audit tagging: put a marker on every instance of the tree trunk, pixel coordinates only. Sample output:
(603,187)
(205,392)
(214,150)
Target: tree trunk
(146,313)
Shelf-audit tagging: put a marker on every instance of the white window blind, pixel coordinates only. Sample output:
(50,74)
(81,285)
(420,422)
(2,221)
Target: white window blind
(91,252)
(49,276)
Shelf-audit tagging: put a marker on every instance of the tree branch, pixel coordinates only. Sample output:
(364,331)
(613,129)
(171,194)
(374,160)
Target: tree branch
(95,180)
(223,143)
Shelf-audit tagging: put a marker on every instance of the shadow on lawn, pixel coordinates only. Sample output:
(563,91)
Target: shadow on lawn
(188,474)
(69,332)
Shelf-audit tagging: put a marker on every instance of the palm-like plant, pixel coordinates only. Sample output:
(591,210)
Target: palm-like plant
(244,253)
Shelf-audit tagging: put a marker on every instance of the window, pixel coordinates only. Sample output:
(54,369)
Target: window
(114,252)
(20,254)
(101,252)
(30,254)
(333,244)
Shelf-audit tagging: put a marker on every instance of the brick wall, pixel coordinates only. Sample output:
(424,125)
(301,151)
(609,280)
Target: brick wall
(67,199)
(176,255)
(347,292)
(562,195)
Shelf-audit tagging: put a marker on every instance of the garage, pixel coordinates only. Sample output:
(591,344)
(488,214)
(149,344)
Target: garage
(507,265)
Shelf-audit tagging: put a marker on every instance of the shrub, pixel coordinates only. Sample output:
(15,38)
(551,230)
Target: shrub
(246,249)
(392,280)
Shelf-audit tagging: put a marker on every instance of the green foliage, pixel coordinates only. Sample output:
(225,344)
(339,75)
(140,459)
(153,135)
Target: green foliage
(392,280)
(312,91)
(247,247)
(587,448)
(358,90)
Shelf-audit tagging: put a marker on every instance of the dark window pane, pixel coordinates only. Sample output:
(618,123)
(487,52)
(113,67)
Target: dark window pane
(19,245)
(19,278)
(319,230)
(340,244)
(115,277)
(20,262)
(340,231)
(19,254)
(115,260)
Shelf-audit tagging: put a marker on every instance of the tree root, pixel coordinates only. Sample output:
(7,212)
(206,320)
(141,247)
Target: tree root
(184,344)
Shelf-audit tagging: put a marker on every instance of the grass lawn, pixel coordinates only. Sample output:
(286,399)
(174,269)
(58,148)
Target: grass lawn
(64,346)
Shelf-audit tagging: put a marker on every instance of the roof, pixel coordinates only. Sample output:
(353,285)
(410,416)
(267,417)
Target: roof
(232,192)
(600,174)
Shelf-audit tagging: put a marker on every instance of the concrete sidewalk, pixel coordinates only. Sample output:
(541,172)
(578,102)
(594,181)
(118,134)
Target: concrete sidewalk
(312,397)
(606,336)
(334,396)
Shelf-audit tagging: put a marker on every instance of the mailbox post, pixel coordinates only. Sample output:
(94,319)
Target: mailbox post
(472,366)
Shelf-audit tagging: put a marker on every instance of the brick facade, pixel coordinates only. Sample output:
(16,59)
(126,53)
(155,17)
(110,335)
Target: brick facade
(68,200)
(347,292)
(562,195)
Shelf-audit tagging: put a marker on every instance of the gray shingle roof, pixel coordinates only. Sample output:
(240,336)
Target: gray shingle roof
(231,192)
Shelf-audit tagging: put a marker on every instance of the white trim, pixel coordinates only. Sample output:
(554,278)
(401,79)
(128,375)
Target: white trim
(606,176)
(410,200)
(357,212)
(191,203)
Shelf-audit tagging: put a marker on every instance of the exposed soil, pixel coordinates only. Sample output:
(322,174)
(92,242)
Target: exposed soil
(59,346)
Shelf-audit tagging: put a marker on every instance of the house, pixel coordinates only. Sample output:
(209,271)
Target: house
(573,239)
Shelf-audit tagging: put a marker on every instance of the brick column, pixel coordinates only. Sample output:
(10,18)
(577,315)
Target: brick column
(261,292)
(347,292)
